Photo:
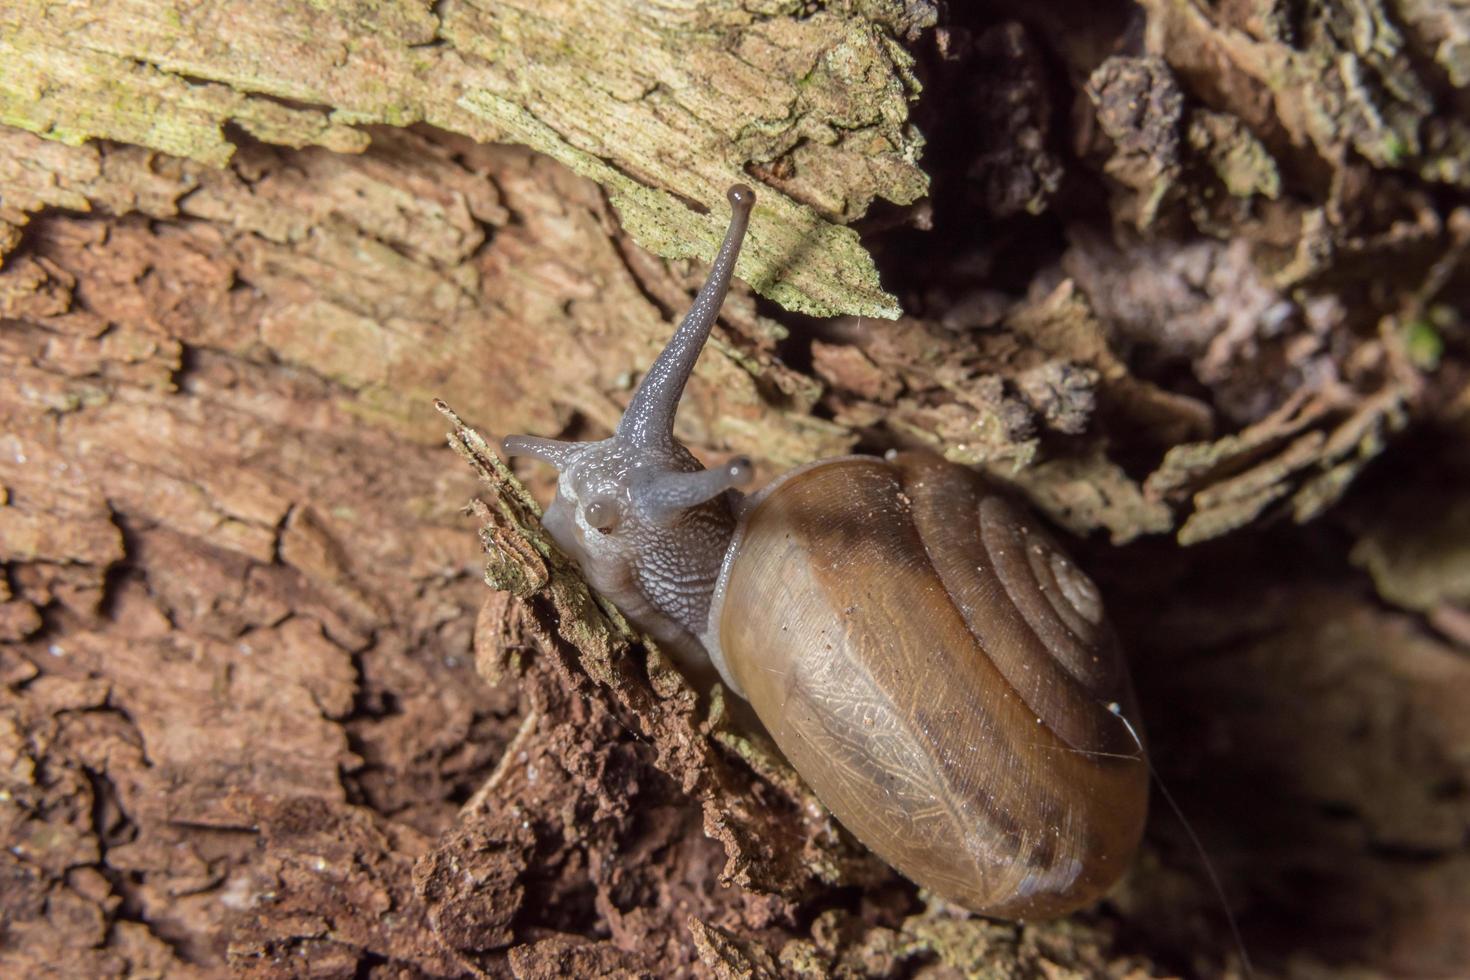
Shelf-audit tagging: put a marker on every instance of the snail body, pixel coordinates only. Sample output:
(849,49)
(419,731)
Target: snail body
(919,647)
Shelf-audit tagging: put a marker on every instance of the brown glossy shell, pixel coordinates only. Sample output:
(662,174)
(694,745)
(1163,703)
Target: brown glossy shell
(940,674)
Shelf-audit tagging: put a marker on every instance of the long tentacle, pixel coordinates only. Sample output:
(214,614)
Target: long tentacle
(649,419)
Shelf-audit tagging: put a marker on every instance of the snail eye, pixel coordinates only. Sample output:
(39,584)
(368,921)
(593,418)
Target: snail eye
(603,514)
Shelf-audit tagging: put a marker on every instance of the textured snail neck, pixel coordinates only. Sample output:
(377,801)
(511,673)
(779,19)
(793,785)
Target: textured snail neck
(644,521)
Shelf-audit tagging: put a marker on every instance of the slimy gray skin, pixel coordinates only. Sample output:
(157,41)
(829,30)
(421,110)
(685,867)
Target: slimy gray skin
(938,671)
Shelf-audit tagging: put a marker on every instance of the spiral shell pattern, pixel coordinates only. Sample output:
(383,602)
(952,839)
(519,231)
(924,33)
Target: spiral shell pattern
(944,678)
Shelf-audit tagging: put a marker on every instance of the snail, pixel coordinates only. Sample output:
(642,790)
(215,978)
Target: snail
(933,665)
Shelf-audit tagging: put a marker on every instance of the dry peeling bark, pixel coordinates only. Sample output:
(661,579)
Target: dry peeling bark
(1192,276)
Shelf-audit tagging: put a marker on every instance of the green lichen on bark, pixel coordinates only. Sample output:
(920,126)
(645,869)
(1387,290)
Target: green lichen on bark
(666,107)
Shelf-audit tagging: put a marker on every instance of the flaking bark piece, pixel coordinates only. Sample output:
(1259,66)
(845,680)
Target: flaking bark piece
(1140,107)
(728,957)
(1166,153)
(1302,456)
(581,658)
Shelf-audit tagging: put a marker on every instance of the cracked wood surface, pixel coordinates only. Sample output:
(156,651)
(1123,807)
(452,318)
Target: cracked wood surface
(663,105)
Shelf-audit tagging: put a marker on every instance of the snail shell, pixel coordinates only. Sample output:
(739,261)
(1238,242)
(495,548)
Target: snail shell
(941,675)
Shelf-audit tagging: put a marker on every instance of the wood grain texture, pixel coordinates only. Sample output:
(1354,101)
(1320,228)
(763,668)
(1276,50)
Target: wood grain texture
(662,104)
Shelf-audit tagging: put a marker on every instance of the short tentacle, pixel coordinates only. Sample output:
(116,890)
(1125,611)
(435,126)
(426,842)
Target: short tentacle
(554,451)
(662,494)
(649,419)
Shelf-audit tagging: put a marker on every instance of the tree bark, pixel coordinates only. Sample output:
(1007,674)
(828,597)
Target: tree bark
(1190,276)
